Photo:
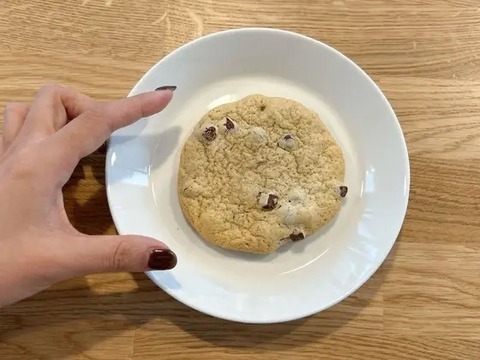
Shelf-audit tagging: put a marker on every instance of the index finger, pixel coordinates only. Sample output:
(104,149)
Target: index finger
(91,129)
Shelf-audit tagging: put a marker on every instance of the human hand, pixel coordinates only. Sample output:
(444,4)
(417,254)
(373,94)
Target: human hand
(42,144)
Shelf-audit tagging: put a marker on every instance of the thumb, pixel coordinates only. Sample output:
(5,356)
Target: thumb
(130,253)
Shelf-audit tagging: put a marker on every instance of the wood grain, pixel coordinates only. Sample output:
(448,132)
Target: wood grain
(423,303)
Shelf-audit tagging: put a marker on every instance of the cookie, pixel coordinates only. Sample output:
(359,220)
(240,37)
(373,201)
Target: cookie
(259,173)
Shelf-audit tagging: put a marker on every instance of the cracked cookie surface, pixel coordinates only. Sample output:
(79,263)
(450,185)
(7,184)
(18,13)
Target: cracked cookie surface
(258,173)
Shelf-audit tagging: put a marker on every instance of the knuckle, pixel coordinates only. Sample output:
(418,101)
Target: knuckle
(96,113)
(119,258)
(12,109)
(137,108)
(25,162)
(49,88)
(99,119)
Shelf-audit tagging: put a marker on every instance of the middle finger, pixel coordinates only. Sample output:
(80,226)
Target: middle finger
(52,108)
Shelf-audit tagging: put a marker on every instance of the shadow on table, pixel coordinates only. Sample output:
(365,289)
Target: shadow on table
(85,197)
(85,194)
(284,336)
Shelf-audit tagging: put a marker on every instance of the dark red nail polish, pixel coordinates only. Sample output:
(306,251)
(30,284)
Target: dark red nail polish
(162,259)
(166,87)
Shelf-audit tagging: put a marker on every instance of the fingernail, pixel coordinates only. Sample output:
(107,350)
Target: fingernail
(161,259)
(166,87)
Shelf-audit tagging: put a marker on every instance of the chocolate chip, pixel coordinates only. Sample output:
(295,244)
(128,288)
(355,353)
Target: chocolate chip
(297,236)
(262,108)
(287,142)
(272,202)
(229,125)
(210,133)
(343,190)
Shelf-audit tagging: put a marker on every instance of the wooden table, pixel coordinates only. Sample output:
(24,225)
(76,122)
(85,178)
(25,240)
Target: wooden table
(424,302)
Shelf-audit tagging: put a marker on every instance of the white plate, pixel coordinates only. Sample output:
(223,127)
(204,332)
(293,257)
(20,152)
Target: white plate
(306,277)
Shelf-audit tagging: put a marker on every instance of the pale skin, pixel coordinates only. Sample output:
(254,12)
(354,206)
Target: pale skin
(40,146)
